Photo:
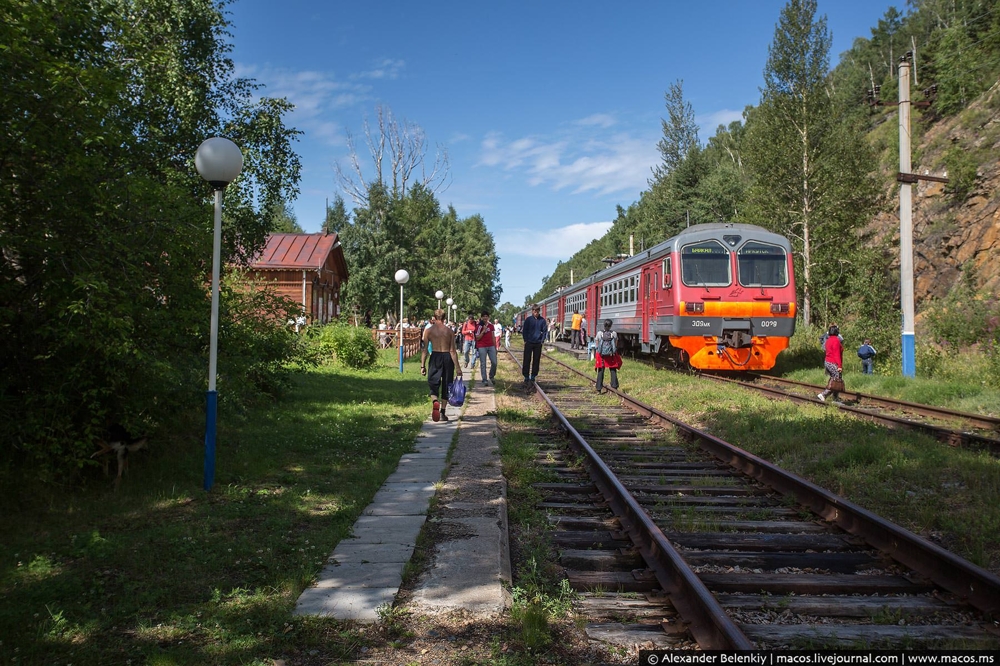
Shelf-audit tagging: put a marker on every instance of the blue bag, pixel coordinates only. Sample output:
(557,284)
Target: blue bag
(456,394)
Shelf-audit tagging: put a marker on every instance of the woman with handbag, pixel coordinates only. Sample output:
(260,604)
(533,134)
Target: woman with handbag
(833,363)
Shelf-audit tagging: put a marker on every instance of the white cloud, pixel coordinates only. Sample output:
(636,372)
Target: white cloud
(559,243)
(599,119)
(315,94)
(709,123)
(616,163)
(387,68)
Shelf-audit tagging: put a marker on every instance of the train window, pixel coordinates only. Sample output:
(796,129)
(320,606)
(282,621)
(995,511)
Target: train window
(666,273)
(762,265)
(631,294)
(705,264)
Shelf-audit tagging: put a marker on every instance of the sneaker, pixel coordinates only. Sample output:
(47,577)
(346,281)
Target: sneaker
(822,398)
(444,417)
(436,411)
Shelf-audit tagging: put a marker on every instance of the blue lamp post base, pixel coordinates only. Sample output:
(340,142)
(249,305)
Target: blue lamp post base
(211,409)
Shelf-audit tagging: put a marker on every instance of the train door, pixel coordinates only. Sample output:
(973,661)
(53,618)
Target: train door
(562,316)
(593,310)
(648,305)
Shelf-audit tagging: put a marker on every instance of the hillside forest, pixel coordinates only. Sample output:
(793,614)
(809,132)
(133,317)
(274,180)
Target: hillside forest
(816,160)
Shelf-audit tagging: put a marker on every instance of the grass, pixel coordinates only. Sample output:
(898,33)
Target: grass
(163,572)
(949,495)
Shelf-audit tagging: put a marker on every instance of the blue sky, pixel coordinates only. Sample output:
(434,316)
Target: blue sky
(549,111)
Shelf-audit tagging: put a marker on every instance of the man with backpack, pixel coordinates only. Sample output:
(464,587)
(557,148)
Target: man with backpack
(867,355)
(607,355)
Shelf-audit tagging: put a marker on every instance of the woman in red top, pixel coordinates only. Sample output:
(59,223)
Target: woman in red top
(486,347)
(833,362)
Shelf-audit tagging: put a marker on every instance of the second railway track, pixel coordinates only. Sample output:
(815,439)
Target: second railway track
(676,538)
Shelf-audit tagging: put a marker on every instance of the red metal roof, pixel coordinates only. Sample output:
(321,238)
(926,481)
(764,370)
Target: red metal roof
(295,251)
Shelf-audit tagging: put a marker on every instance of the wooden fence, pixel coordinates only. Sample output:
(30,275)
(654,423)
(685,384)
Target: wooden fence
(389,339)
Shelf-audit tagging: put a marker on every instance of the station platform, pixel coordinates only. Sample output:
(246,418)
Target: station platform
(469,568)
(566,347)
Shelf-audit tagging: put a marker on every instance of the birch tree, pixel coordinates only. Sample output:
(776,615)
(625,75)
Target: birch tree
(399,160)
(812,171)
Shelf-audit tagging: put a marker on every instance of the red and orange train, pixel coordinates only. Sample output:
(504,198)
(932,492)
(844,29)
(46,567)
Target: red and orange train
(713,297)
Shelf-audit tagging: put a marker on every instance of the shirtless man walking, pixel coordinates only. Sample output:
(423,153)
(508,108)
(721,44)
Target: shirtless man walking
(444,364)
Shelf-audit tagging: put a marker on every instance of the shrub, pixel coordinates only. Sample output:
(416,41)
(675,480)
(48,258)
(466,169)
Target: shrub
(965,316)
(962,166)
(351,345)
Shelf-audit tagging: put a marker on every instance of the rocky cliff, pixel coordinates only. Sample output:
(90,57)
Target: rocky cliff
(952,232)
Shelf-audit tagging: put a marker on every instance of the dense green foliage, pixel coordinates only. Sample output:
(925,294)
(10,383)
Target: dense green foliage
(105,225)
(814,159)
(352,346)
(440,252)
(168,574)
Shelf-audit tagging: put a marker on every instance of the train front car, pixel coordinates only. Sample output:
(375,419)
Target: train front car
(735,299)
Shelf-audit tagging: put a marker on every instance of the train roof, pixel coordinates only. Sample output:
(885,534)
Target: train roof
(690,234)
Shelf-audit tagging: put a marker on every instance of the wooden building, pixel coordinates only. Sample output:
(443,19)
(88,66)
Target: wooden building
(307,268)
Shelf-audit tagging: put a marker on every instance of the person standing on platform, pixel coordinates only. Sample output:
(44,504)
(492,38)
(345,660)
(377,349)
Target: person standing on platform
(533,330)
(574,340)
(443,364)
(486,347)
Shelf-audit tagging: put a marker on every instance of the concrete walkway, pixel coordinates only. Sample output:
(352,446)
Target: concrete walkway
(365,571)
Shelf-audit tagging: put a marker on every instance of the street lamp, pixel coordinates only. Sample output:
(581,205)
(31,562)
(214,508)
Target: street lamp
(219,161)
(402,277)
(449,303)
(439,295)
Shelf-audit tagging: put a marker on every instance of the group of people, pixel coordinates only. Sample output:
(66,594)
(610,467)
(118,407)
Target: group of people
(479,339)
(440,363)
(439,359)
(535,330)
(832,343)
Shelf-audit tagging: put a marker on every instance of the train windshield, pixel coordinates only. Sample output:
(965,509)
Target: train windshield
(705,264)
(762,265)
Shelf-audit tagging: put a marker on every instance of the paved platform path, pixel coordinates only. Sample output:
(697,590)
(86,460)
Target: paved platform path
(469,572)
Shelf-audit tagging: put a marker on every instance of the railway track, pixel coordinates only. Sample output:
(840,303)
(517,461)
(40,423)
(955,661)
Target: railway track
(678,539)
(962,429)
(954,428)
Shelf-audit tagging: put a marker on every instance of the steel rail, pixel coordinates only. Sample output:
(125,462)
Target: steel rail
(979,420)
(970,583)
(947,435)
(708,622)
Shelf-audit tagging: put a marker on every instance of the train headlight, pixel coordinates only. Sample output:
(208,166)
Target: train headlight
(779,308)
(694,308)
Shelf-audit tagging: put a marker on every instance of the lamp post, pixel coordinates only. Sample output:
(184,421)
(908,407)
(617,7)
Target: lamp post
(402,277)
(450,303)
(439,295)
(219,161)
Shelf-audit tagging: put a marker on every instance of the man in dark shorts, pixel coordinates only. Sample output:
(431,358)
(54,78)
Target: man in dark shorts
(443,365)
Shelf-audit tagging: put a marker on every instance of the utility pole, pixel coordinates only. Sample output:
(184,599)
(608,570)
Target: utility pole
(906,180)
(906,222)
